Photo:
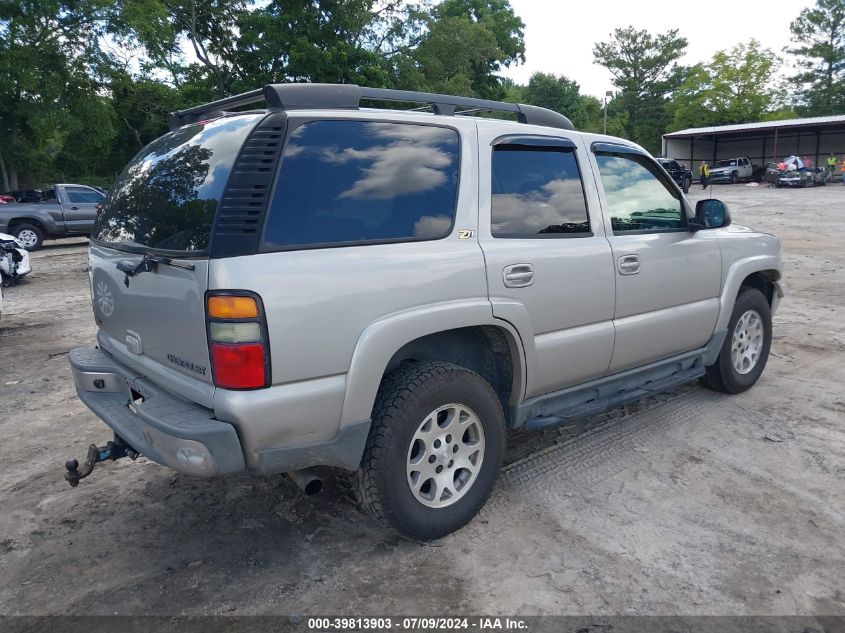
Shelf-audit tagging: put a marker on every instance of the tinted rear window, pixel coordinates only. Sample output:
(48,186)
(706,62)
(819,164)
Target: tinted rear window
(537,192)
(168,194)
(347,182)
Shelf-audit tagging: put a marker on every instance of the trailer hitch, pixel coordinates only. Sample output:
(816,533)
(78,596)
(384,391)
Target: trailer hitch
(113,450)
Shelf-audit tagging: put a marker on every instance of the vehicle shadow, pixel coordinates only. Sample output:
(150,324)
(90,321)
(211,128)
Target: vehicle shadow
(214,543)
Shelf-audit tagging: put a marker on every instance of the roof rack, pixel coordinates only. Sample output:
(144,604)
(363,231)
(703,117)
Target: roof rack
(303,96)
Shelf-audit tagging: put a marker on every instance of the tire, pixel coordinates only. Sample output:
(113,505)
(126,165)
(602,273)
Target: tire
(409,401)
(734,178)
(685,187)
(724,375)
(32,238)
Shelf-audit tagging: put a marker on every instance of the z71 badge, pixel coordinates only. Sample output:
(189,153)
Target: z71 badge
(465,234)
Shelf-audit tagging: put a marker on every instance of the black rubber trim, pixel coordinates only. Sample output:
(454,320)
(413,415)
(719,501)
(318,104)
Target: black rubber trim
(243,206)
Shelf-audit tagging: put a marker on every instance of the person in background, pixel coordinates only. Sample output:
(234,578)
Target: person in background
(843,172)
(704,172)
(831,163)
(808,164)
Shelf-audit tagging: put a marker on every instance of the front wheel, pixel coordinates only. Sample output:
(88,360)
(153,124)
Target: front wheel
(746,348)
(734,178)
(686,185)
(435,448)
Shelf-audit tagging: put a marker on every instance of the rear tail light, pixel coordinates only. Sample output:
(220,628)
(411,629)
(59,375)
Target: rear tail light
(237,340)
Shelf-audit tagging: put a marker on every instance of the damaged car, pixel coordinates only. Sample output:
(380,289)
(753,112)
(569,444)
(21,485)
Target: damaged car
(14,260)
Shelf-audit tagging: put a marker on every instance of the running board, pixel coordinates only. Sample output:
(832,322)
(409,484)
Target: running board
(564,407)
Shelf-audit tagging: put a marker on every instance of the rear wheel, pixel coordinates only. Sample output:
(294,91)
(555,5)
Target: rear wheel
(434,451)
(686,185)
(746,348)
(29,235)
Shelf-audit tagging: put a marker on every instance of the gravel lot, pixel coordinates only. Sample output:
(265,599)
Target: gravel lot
(689,502)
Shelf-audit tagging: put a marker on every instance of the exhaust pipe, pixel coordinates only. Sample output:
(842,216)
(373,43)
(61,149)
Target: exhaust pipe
(308,481)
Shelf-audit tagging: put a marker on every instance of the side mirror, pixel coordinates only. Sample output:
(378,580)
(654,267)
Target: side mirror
(711,214)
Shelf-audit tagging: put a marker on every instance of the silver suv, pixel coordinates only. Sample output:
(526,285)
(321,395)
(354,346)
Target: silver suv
(323,284)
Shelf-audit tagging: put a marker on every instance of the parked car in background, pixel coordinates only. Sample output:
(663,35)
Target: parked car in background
(7,199)
(794,178)
(771,173)
(680,174)
(389,291)
(732,170)
(14,260)
(61,211)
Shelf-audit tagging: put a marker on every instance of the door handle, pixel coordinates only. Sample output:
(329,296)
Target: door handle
(74,208)
(518,275)
(628,264)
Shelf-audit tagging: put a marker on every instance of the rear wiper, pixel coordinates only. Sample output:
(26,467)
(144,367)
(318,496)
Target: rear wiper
(149,263)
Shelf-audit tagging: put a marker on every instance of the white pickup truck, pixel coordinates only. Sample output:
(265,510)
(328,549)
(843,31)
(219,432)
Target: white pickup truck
(732,170)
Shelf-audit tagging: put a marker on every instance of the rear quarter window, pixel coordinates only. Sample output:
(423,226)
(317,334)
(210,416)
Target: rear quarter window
(167,196)
(352,182)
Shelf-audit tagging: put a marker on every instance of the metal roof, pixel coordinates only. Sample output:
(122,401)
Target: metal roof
(763,125)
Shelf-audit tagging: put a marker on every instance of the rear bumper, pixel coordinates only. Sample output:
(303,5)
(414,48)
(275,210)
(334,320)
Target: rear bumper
(170,431)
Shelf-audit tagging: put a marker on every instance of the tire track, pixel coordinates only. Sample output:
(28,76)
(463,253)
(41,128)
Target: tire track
(604,450)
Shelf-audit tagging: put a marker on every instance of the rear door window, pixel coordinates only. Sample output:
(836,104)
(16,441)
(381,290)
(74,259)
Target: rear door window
(352,182)
(167,197)
(537,192)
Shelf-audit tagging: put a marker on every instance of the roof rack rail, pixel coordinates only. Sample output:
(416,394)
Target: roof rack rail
(304,96)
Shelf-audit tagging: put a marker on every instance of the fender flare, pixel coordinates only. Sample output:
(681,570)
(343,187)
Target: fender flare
(383,338)
(49,224)
(737,273)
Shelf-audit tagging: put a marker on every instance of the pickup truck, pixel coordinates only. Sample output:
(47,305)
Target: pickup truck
(64,210)
(680,174)
(732,170)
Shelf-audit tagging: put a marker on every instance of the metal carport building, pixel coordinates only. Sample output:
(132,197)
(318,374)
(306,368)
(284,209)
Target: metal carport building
(769,141)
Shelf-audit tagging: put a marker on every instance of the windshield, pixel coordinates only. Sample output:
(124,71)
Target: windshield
(726,163)
(167,196)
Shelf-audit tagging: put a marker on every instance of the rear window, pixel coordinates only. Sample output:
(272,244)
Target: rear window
(348,182)
(167,196)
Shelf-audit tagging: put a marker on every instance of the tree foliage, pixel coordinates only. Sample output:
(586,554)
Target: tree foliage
(557,93)
(736,86)
(818,35)
(84,84)
(50,105)
(645,69)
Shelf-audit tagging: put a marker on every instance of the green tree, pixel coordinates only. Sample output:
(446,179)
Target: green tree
(645,70)
(51,105)
(464,43)
(737,86)
(210,28)
(557,93)
(818,35)
(140,106)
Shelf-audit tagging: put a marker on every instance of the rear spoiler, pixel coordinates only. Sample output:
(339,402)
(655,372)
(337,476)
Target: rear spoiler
(302,96)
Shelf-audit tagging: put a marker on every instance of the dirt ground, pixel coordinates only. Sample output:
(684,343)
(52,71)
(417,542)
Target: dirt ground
(689,502)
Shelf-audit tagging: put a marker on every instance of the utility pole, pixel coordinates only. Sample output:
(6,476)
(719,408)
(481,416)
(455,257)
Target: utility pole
(607,94)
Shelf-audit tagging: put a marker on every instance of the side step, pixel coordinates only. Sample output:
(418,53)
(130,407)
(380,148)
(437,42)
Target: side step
(608,394)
